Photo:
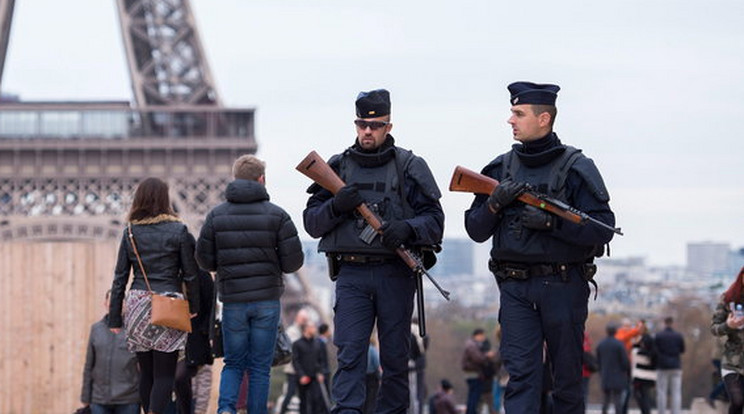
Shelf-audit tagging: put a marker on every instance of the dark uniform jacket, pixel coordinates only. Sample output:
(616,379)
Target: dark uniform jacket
(250,242)
(567,242)
(419,190)
(167,251)
(110,375)
(614,367)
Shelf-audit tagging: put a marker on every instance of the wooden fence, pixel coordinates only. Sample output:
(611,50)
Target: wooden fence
(51,294)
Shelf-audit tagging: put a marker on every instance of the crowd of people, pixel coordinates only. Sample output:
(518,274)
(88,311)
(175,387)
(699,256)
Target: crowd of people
(539,360)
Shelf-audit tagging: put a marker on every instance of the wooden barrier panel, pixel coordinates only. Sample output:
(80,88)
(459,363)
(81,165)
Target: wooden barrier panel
(52,293)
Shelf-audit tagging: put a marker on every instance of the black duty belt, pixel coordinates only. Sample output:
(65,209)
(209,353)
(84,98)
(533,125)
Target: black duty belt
(361,258)
(522,271)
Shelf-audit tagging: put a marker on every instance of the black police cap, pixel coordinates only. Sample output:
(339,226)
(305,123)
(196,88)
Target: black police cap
(533,93)
(373,104)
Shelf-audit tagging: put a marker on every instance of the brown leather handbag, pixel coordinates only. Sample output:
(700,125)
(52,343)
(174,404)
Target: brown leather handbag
(168,311)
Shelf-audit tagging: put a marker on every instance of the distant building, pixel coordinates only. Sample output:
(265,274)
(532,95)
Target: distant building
(708,258)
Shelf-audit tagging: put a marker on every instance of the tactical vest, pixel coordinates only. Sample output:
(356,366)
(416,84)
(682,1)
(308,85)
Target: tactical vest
(514,243)
(382,189)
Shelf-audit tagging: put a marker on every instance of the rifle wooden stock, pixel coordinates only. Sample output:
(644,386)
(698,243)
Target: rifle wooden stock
(469,181)
(314,167)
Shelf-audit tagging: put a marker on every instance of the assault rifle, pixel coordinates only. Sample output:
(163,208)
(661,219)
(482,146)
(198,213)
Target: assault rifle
(314,167)
(471,182)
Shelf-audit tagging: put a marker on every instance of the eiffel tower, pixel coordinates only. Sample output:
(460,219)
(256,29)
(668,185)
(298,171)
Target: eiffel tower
(67,174)
(70,168)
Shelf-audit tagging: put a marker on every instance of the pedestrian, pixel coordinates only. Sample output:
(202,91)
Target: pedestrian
(198,351)
(294,332)
(250,243)
(372,378)
(444,399)
(628,334)
(307,359)
(541,263)
(110,375)
(166,252)
(669,346)
(417,364)
(614,369)
(324,335)
(475,361)
(728,324)
(373,285)
(497,390)
(588,366)
(643,370)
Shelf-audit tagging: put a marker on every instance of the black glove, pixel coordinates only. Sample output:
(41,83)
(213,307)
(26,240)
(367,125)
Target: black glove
(536,219)
(395,233)
(505,193)
(346,199)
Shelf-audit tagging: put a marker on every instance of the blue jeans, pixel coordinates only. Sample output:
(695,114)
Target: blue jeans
(115,408)
(249,335)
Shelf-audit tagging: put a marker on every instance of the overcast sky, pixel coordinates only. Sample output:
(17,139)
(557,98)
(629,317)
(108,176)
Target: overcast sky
(653,91)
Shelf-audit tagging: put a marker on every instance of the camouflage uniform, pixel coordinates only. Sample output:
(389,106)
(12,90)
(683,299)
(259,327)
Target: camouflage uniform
(733,340)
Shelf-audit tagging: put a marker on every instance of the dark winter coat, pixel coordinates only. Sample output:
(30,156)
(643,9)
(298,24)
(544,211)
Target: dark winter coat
(307,358)
(167,252)
(614,367)
(198,349)
(250,243)
(110,375)
(669,346)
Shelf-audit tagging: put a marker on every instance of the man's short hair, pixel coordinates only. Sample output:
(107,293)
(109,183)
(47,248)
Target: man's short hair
(668,320)
(478,331)
(248,167)
(550,109)
(322,328)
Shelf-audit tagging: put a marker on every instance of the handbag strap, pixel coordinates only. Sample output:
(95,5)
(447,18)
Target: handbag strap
(136,253)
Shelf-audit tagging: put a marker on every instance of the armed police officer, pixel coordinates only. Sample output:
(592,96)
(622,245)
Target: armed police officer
(541,263)
(373,283)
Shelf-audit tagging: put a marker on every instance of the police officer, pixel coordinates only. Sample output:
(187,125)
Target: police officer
(541,263)
(373,283)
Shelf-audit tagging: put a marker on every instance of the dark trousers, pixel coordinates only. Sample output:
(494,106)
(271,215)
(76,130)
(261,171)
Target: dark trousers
(614,397)
(475,391)
(537,311)
(642,394)
(365,293)
(157,373)
(372,383)
(735,389)
(291,390)
(184,395)
(311,399)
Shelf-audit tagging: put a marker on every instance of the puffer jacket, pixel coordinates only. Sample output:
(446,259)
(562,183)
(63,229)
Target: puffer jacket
(167,251)
(110,375)
(250,243)
(732,357)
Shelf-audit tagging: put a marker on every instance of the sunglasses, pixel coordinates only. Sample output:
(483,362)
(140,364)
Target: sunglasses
(373,125)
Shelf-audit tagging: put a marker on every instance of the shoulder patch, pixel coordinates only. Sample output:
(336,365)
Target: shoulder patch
(584,166)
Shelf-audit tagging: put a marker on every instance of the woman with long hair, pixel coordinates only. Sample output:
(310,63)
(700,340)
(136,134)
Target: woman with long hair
(166,249)
(729,324)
